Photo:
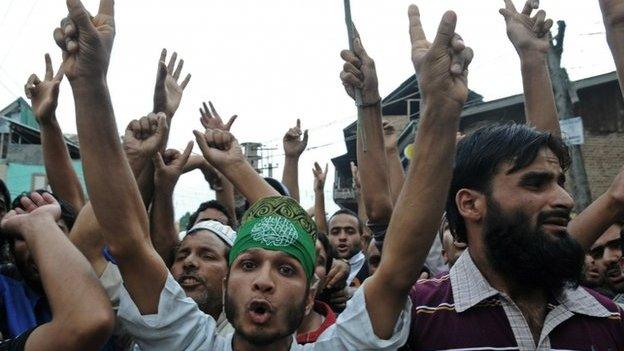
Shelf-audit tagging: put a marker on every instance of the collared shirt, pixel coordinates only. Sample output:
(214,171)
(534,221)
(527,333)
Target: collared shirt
(180,325)
(329,316)
(462,310)
(619,299)
(356,262)
(21,308)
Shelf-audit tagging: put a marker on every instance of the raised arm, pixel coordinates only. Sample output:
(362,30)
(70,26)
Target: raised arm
(530,36)
(359,72)
(43,96)
(221,149)
(613,18)
(168,91)
(609,207)
(442,72)
(224,190)
(87,42)
(396,175)
(320,217)
(141,141)
(162,222)
(82,316)
(294,146)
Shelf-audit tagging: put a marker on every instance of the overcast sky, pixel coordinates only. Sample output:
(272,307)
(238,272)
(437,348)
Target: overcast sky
(273,61)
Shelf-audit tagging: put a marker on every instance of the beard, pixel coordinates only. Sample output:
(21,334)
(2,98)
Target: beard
(530,258)
(258,336)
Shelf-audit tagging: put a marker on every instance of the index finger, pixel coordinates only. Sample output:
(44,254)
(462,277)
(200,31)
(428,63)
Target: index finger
(107,7)
(48,63)
(415,26)
(298,123)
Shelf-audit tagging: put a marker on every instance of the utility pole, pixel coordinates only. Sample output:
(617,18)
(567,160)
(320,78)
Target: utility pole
(564,92)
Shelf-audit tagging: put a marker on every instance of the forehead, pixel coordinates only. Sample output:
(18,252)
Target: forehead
(212,213)
(203,238)
(613,233)
(267,255)
(343,220)
(545,161)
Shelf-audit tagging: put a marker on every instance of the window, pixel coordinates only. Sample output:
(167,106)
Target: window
(38,181)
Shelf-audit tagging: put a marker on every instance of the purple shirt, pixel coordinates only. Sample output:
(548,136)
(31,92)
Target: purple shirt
(461,310)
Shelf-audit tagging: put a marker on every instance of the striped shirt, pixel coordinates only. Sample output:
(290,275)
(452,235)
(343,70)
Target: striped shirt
(462,311)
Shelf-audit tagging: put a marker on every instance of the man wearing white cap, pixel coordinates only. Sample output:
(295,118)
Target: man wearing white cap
(200,265)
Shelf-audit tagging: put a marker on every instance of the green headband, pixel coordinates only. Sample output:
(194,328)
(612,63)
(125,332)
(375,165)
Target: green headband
(279,224)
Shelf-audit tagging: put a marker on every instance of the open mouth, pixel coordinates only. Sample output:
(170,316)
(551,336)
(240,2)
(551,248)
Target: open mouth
(260,311)
(189,281)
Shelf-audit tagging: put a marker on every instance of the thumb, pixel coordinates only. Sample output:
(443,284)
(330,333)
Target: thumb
(159,163)
(80,16)
(506,13)
(186,154)
(201,142)
(446,31)
(162,124)
(230,122)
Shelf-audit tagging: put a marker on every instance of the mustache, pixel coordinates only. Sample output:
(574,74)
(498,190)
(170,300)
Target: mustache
(555,213)
(191,274)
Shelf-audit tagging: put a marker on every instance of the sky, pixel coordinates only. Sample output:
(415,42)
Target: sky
(273,61)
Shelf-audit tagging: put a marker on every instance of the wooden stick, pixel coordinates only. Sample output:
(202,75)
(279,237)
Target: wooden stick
(358,92)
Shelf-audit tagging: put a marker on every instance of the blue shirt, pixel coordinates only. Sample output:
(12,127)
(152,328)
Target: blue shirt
(22,308)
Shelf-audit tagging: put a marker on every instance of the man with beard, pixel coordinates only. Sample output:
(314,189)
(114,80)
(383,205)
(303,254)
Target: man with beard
(607,251)
(200,265)
(272,261)
(518,279)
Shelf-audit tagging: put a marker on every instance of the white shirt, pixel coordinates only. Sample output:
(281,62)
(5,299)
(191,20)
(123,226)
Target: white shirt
(356,262)
(180,325)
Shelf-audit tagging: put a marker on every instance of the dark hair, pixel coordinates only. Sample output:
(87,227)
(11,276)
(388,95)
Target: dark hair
(214,204)
(480,154)
(347,211)
(68,214)
(5,193)
(328,249)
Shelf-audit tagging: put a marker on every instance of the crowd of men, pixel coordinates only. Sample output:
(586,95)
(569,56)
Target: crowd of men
(473,247)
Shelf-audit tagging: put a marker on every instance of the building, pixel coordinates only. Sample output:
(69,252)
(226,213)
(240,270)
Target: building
(21,156)
(599,104)
(401,108)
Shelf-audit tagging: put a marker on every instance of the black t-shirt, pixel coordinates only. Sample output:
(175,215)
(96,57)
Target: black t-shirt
(16,344)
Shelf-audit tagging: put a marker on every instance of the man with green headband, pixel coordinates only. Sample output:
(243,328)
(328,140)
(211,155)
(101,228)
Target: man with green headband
(268,282)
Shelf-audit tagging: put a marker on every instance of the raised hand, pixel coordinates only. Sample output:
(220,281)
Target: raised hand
(169,166)
(527,34)
(146,136)
(210,119)
(36,205)
(86,41)
(391,137)
(294,145)
(613,13)
(168,92)
(220,148)
(43,95)
(359,72)
(441,66)
(320,176)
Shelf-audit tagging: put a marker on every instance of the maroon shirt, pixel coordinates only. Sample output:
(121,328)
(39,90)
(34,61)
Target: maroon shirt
(461,310)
